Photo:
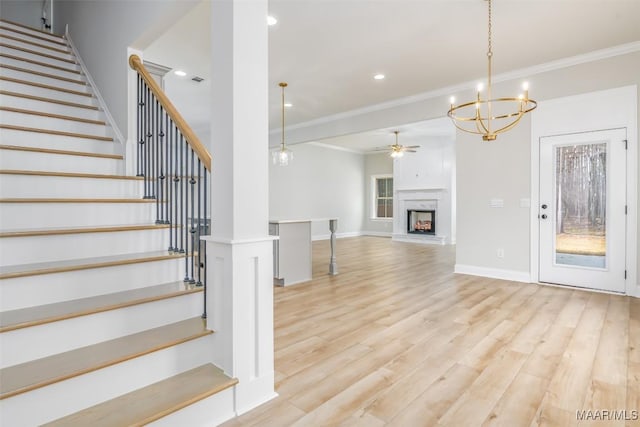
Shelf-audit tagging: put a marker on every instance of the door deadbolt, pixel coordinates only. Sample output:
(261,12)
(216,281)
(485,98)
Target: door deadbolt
(544,206)
(544,216)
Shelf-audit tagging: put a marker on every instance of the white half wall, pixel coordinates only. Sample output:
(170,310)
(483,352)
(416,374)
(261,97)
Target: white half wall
(320,182)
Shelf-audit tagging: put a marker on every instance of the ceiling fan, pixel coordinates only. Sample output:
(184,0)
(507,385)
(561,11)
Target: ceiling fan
(398,150)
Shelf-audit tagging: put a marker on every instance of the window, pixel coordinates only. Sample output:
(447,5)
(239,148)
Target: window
(383,197)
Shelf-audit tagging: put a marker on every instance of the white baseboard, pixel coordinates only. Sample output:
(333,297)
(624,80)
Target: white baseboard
(494,273)
(338,235)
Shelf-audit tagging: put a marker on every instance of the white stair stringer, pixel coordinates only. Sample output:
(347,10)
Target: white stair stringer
(11,159)
(69,396)
(70,334)
(44,289)
(45,215)
(32,249)
(25,119)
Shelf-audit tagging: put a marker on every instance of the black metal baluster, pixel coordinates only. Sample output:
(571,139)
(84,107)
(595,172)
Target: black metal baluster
(176,182)
(160,196)
(167,219)
(192,181)
(140,125)
(185,196)
(183,218)
(199,229)
(170,174)
(147,148)
(204,249)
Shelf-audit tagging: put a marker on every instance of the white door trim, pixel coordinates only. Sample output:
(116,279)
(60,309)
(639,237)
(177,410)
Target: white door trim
(590,112)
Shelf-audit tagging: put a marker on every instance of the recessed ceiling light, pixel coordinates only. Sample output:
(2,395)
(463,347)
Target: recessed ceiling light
(179,73)
(379,76)
(288,104)
(271,20)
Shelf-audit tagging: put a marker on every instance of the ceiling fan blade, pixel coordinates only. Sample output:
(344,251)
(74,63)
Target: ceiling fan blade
(412,146)
(410,151)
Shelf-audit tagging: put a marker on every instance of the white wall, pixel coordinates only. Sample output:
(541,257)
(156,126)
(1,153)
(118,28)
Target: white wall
(103,30)
(320,182)
(431,167)
(26,12)
(375,164)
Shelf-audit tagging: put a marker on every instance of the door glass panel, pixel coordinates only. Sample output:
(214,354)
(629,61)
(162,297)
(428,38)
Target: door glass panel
(581,200)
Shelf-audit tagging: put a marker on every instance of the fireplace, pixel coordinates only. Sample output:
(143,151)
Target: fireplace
(421,222)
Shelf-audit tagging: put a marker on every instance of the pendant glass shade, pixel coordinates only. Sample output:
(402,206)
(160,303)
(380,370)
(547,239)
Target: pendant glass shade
(282,156)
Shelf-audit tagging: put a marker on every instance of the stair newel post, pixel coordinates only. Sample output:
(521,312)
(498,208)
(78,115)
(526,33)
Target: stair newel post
(192,230)
(185,197)
(139,125)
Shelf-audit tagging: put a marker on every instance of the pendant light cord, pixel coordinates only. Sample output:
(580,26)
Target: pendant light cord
(282,85)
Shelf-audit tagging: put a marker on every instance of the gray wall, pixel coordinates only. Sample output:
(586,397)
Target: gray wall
(26,12)
(375,164)
(103,30)
(501,169)
(320,182)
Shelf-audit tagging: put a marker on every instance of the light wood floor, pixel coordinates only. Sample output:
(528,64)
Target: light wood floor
(397,339)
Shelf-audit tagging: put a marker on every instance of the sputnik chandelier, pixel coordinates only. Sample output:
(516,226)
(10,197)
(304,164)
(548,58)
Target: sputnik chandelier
(282,155)
(486,116)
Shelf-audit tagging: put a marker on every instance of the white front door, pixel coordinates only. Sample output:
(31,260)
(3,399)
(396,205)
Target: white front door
(582,210)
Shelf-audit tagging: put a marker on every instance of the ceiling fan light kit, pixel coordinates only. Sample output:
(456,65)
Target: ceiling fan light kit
(486,116)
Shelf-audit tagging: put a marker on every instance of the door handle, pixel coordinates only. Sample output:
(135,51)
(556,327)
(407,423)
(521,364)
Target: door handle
(544,206)
(544,216)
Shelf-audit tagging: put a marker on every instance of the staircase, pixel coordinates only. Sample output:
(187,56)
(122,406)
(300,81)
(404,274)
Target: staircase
(97,326)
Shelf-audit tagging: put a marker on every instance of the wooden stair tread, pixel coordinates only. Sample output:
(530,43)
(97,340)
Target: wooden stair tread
(42,64)
(38,73)
(35,269)
(79,230)
(53,116)
(57,132)
(40,45)
(63,42)
(51,100)
(61,152)
(38,373)
(153,402)
(69,174)
(32,29)
(44,86)
(33,316)
(35,52)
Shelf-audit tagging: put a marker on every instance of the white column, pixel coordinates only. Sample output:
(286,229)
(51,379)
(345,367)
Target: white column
(239,250)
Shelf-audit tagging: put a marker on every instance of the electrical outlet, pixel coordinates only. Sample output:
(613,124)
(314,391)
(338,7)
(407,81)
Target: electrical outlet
(500,253)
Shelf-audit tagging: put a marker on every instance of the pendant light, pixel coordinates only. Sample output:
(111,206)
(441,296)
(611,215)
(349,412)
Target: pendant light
(282,155)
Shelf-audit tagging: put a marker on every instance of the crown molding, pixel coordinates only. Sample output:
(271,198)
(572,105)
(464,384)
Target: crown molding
(571,61)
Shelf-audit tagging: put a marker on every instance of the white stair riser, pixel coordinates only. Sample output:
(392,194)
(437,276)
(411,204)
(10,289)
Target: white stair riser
(51,288)
(70,334)
(46,93)
(22,75)
(39,68)
(66,397)
(27,250)
(56,186)
(209,412)
(10,33)
(29,31)
(35,57)
(44,215)
(14,159)
(44,122)
(57,142)
(66,55)
(50,107)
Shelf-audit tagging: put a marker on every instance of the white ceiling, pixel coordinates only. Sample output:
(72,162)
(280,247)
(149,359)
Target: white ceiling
(329,50)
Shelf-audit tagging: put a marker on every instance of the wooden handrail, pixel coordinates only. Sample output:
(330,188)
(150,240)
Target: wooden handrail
(192,139)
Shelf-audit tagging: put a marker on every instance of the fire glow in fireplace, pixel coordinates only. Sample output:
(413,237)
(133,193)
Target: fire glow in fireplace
(421,222)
